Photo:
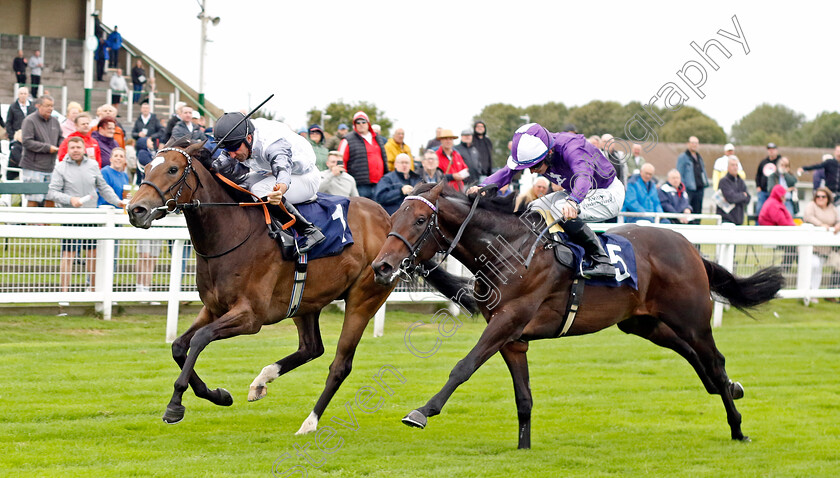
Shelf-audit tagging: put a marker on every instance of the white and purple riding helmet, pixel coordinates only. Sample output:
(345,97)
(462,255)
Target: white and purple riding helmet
(531,143)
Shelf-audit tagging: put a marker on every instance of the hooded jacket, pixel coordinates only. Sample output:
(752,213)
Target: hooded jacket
(774,212)
(673,199)
(641,197)
(321,151)
(90,144)
(485,150)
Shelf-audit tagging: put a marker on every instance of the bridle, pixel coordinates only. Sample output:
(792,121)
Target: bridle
(172,204)
(408,266)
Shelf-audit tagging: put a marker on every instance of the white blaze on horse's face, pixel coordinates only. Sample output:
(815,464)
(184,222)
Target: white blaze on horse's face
(151,166)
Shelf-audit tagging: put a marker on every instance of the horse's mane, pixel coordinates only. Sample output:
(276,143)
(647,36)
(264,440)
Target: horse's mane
(203,157)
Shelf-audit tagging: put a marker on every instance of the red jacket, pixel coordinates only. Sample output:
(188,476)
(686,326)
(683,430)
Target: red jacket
(457,165)
(89,143)
(774,212)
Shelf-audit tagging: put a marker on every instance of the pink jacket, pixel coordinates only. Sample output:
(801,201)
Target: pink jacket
(774,212)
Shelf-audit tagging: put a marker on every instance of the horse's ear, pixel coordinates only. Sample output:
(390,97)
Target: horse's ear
(434,193)
(195,147)
(202,154)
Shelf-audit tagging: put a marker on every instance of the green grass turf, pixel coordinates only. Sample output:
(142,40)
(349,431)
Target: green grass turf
(84,397)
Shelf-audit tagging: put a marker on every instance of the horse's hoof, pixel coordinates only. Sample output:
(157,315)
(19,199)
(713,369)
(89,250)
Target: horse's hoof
(309,425)
(743,439)
(736,390)
(225,399)
(174,414)
(415,419)
(256,393)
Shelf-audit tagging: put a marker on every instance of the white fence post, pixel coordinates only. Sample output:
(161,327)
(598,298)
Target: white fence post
(379,322)
(174,287)
(63,54)
(105,263)
(64,99)
(803,269)
(727,261)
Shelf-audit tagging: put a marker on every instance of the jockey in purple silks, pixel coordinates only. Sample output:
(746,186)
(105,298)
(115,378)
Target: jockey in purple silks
(592,193)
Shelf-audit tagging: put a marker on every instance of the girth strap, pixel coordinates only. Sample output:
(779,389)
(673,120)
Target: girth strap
(299,284)
(572,306)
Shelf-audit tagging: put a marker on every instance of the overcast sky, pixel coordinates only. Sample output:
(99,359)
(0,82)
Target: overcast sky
(428,63)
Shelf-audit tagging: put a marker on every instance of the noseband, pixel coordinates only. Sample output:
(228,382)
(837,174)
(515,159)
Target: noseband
(173,202)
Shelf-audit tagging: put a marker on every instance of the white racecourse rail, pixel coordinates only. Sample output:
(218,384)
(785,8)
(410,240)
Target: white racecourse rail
(28,241)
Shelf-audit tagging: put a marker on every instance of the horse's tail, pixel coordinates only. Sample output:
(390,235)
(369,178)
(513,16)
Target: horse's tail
(744,292)
(455,288)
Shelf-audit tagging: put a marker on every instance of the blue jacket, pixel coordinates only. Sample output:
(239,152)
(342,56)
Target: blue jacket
(115,179)
(641,197)
(685,165)
(114,41)
(672,199)
(388,191)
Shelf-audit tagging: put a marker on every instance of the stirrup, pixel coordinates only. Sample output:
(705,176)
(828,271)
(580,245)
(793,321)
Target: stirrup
(598,269)
(312,239)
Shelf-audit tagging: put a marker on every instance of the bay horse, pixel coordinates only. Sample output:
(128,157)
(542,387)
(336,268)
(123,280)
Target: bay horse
(671,308)
(244,283)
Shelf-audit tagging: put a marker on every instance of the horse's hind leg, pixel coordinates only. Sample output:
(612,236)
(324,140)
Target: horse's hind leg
(310,347)
(180,346)
(516,358)
(659,333)
(237,321)
(363,300)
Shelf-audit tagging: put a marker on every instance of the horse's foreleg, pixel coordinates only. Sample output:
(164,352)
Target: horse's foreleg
(516,358)
(237,321)
(501,329)
(179,353)
(362,303)
(310,347)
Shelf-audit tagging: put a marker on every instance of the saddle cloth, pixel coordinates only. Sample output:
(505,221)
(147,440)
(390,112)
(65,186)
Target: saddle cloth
(329,213)
(621,252)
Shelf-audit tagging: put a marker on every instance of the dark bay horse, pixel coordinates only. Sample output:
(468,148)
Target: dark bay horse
(244,283)
(671,308)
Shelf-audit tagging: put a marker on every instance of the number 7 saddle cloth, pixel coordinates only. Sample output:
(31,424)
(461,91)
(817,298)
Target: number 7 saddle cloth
(620,250)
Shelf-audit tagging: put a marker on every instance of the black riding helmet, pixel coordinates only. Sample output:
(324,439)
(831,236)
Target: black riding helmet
(230,131)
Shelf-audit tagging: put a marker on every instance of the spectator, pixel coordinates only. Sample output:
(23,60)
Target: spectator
(68,125)
(485,150)
(115,175)
(635,161)
(19,66)
(821,213)
(818,178)
(430,172)
(335,180)
(450,161)
(198,122)
(138,79)
(36,64)
(148,252)
(185,127)
(569,128)
(130,158)
(672,196)
(536,191)
(145,155)
(595,140)
(732,197)
(831,167)
(774,212)
(75,184)
(766,167)
(469,151)
(173,120)
(82,131)
(108,111)
(41,137)
(302,131)
(434,143)
(377,130)
(114,43)
(19,110)
(104,135)
(101,56)
(147,124)
(396,185)
(118,87)
(395,146)
(316,139)
(15,155)
(364,155)
(722,164)
(615,157)
(693,173)
(334,142)
(787,180)
(642,194)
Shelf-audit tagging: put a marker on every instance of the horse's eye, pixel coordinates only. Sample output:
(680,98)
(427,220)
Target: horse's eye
(173,170)
(420,221)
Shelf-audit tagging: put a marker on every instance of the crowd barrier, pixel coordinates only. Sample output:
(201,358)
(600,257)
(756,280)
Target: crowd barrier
(31,252)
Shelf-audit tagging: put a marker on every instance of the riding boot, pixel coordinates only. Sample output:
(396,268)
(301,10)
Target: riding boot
(312,236)
(599,261)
